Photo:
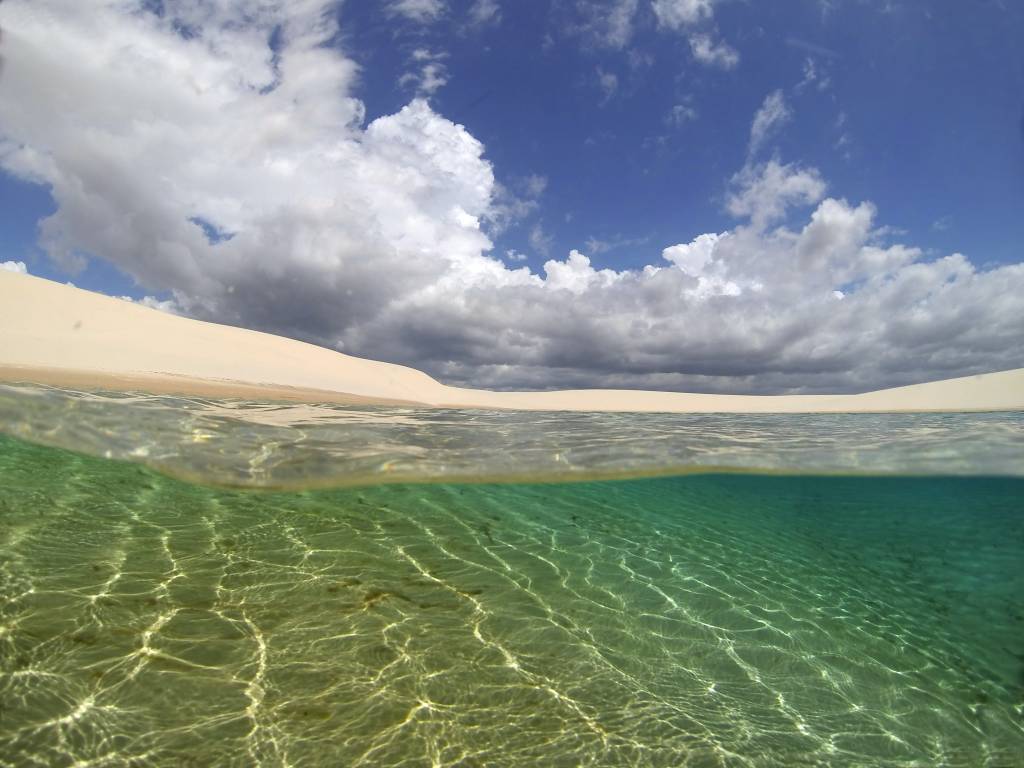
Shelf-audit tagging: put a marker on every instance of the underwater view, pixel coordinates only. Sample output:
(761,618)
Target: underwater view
(196,582)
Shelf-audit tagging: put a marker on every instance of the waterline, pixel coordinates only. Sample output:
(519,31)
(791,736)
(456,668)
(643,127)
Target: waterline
(249,444)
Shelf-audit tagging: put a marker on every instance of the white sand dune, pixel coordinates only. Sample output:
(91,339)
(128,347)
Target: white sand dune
(56,334)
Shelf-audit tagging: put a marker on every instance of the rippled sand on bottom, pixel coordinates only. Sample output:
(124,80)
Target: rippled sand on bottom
(703,620)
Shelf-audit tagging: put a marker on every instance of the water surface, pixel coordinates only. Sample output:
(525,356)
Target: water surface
(286,445)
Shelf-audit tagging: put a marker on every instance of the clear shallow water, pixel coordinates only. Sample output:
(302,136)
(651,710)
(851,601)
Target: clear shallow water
(704,620)
(283,445)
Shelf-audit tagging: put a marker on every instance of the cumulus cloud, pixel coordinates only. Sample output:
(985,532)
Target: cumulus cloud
(693,257)
(576,276)
(14,266)
(374,238)
(769,118)
(763,193)
(263,144)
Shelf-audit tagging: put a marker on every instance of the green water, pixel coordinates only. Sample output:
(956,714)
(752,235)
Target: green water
(704,620)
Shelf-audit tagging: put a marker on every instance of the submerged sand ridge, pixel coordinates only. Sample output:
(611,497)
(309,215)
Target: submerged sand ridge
(61,335)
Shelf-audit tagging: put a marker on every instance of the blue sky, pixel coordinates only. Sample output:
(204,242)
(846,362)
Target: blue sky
(605,133)
(930,104)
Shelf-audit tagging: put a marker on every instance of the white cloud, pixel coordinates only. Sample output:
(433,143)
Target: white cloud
(513,255)
(606,23)
(14,266)
(484,13)
(509,207)
(680,114)
(170,306)
(715,53)
(374,238)
(535,185)
(696,260)
(692,257)
(540,240)
(270,149)
(676,14)
(772,115)
(576,276)
(763,193)
(422,11)
(687,16)
(810,47)
(814,75)
(844,141)
(597,246)
(620,23)
(432,74)
(609,84)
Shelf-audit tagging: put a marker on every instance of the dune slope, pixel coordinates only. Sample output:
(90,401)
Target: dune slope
(57,334)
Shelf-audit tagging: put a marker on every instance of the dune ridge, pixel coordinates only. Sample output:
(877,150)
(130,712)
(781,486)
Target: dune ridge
(60,335)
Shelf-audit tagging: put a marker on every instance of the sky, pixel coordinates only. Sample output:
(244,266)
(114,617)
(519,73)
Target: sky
(697,195)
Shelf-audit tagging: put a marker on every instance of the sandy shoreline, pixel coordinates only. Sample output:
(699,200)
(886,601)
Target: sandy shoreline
(58,335)
(170,384)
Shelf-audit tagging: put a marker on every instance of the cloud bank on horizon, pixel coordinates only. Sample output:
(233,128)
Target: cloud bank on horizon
(217,152)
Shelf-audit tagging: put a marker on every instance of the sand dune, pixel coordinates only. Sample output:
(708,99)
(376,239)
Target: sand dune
(56,334)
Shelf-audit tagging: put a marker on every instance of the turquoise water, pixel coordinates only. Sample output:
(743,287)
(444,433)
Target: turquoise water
(700,619)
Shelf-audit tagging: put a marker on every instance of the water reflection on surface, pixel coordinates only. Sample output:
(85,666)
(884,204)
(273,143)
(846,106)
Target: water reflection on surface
(287,445)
